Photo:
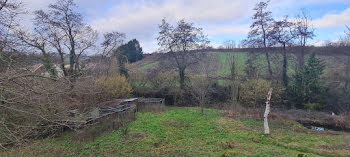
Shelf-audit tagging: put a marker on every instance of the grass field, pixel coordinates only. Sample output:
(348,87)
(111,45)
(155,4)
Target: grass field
(221,61)
(219,64)
(186,132)
(240,59)
(149,65)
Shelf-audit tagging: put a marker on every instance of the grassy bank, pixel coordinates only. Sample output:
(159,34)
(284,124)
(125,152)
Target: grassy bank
(186,132)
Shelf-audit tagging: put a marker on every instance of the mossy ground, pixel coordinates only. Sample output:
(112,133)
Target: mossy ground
(186,132)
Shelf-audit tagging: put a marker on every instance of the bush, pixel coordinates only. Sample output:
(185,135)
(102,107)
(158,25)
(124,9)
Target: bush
(116,86)
(162,79)
(254,93)
(314,106)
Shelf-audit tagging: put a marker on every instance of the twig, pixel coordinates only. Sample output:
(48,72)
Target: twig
(36,116)
(31,75)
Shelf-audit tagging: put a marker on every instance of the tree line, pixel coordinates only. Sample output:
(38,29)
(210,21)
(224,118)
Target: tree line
(304,89)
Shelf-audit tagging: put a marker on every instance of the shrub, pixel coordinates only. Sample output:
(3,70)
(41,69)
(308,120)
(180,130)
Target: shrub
(254,93)
(230,153)
(116,86)
(162,79)
(314,106)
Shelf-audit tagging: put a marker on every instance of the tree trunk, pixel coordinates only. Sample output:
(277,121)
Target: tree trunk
(268,64)
(182,77)
(267,55)
(71,63)
(235,91)
(267,112)
(202,108)
(72,52)
(301,57)
(62,64)
(284,67)
(347,74)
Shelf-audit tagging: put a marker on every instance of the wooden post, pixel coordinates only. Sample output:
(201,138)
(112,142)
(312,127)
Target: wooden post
(266,114)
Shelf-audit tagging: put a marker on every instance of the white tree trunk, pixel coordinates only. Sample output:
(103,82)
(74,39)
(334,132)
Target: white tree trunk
(267,112)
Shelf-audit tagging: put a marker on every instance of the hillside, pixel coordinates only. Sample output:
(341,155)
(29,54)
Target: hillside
(186,132)
(218,61)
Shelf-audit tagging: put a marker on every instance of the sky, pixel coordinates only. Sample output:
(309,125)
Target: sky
(221,20)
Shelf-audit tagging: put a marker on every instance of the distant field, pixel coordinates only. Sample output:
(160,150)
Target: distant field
(149,65)
(220,60)
(219,64)
(185,132)
(240,59)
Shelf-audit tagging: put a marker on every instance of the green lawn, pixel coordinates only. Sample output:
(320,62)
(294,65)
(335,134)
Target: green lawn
(186,132)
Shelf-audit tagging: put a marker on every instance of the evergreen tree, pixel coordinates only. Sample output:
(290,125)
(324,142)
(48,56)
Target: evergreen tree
(128,53)
(307,86)
(122,60)
(131,50)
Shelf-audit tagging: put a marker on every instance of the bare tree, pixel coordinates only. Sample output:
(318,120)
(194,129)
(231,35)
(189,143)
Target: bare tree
(258,35)
(35,40)
(283,33)
(84,42)
(60,30)
(112,40)
(9,12)
(200,85)
(200,90)
(347,65)
(229,44)
(51,35)
(183,43)
(234,80)
(63,18)
(304,31)
(9,18)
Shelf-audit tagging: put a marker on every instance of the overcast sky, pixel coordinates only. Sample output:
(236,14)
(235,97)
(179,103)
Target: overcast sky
(220,19)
